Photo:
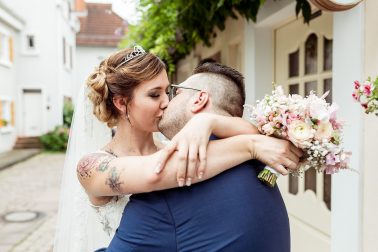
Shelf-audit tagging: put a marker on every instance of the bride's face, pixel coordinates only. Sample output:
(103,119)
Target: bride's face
(150,99)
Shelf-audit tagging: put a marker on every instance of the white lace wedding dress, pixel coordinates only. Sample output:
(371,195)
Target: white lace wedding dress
(110,214)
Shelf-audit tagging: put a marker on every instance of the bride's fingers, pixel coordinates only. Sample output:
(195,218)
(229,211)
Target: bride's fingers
(297,151)
(281,169)
(289,164)
(192,163)
(202,158)
(182,163)
(165,154)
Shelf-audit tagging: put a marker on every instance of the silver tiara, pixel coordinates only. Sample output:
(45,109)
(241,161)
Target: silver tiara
(137,51)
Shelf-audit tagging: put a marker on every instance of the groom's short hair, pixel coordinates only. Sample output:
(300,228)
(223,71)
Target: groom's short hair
(225,85)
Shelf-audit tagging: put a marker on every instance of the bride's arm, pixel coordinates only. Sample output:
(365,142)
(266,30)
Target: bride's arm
(191,141)
(227,126)
(103,175)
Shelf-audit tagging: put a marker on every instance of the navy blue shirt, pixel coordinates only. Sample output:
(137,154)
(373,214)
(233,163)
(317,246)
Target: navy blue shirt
(233,211)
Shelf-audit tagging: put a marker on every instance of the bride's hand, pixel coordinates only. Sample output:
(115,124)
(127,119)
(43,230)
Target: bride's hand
(277,153)
(191,144)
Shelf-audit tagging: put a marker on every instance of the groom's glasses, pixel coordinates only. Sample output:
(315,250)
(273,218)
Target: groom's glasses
(173,90)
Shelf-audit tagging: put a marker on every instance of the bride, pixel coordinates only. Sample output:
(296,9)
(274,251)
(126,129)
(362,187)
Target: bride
(129,91)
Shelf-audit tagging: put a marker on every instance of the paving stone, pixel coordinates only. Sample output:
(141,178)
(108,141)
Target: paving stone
(31,185)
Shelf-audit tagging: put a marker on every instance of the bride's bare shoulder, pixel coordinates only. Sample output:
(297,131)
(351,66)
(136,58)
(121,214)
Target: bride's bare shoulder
(96,161)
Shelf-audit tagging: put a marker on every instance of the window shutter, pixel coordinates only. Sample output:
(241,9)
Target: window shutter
(10,49)
(12,113)
(1,114)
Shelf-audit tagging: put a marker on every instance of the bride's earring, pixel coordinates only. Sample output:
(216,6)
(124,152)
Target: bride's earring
(127,114)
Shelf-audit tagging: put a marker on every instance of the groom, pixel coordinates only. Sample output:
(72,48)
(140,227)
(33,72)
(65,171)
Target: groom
(233,211)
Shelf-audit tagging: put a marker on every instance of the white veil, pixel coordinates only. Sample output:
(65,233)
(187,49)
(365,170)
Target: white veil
(78,228)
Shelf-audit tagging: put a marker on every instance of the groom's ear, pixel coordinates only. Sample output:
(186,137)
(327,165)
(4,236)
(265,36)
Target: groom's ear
(120,103)
(201,100)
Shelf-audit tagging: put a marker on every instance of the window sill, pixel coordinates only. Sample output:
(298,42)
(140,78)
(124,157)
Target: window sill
(6,130)
(68,69)
(30,53)
(6,63)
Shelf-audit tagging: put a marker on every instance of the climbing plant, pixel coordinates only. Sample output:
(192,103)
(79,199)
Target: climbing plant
(172,28)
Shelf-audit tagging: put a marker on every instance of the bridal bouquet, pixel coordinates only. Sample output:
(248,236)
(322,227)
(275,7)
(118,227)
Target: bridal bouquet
(367,95)
(309,123)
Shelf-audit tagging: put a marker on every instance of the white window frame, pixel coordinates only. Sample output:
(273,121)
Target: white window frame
(68,54)
(4,48)
(7,107)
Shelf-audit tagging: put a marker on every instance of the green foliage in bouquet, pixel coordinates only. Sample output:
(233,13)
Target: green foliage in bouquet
(172,28)
(68,110)
(56,140)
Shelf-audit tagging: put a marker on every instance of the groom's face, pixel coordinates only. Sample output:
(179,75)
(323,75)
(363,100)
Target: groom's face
(177,113)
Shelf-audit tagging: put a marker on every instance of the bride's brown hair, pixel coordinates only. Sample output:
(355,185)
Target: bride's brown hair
(113,78)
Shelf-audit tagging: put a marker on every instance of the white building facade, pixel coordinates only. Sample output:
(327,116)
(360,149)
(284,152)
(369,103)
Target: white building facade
(10,28)
(42,67)
(326,213)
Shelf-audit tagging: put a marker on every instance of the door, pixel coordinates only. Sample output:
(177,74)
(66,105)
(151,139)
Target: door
(303,62)
(32,112)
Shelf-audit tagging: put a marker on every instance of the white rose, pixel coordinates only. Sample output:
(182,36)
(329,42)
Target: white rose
(299,132)
(324,131)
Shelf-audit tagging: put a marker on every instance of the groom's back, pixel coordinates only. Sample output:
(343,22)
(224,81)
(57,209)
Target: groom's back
(233,211)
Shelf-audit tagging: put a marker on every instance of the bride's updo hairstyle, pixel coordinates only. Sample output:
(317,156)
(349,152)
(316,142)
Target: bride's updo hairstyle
(120,74)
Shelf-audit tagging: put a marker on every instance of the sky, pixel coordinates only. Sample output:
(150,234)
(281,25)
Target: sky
(124,8)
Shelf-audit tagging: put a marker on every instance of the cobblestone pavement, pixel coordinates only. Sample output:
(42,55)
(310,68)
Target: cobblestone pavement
(32,185)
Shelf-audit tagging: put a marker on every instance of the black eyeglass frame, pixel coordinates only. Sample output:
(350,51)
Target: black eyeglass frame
(173,89)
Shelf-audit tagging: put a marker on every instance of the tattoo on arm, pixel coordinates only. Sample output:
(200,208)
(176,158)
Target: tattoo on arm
(104,164)
(113,180)
(97,161)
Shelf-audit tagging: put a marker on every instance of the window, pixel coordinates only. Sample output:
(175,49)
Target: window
(310,69)
(64,51)
(6,114)
(67,54)
(30,42)
(6,48)
(70,57)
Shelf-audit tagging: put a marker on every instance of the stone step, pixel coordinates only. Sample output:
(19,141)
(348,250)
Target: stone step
(28,143)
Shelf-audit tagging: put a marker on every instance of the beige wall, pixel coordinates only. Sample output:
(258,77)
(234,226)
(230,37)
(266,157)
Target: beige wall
(230,43)
(370,183)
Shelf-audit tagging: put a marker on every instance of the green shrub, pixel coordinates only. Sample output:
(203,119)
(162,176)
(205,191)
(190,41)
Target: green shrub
(68,110)
(56,140)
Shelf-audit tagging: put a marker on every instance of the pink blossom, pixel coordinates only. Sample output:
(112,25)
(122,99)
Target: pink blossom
(332,159)
(356,84)
(332,111)
(355,96)
(331,169)
(268,129)
(367,89)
